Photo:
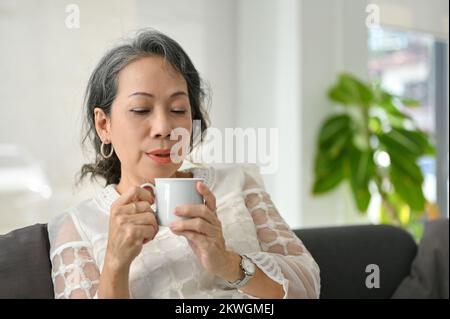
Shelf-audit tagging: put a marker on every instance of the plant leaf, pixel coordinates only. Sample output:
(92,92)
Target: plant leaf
(389,106)
(386,101)
(361,92)
(339,96)
(333,126)
(361,168)
(421,139)
(409,102)
(397,140)
(375,125)
(350,91)
(327,183)
(328,173)
(406,166)
(407,189)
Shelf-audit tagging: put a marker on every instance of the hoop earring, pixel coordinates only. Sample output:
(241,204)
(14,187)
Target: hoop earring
(102,151)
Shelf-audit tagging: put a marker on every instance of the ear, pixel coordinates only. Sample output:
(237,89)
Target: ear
(102,125)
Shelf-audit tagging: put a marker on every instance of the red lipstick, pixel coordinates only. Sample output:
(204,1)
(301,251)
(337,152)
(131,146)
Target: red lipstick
(160,156)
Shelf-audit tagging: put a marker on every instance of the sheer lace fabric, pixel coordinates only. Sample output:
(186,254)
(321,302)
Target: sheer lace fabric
(74,271)
(284,258)
(166,266)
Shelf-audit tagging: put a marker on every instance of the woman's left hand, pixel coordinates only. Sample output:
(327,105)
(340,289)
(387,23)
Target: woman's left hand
(204,232)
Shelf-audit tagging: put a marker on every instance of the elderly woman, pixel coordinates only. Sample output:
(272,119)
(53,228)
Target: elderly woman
(235,245)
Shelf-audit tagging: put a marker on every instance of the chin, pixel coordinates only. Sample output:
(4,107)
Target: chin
(162,171)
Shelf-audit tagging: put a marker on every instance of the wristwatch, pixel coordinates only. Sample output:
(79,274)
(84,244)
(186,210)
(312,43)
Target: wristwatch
(249,269)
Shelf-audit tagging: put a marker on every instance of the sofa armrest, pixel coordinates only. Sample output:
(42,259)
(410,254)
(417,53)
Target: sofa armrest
(25,269)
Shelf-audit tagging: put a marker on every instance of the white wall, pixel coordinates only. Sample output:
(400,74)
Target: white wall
(333,40)
(45,67)
(268,74)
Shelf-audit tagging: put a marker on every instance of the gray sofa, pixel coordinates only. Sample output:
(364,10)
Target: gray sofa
(342,253)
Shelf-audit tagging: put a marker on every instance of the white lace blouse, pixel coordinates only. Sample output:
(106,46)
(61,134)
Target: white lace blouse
(166,266)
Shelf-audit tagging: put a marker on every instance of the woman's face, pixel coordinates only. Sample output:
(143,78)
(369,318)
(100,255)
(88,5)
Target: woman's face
(152,100)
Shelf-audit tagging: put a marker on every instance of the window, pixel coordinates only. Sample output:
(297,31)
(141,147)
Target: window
(414,66)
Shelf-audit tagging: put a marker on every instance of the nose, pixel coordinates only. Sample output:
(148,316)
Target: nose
(161,127)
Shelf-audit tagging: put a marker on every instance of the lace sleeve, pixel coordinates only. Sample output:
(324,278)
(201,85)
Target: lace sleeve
(284,258)
(74,271)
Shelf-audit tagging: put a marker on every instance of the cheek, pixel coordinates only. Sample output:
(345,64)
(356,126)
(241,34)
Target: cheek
(128,124)
(187,124)
(184,123)
(126,136)
(189,127)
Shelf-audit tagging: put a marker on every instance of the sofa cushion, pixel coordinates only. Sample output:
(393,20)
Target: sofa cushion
(344,252)
(429,275)
(24,263)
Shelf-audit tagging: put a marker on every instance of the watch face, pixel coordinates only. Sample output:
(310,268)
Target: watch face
(249,266)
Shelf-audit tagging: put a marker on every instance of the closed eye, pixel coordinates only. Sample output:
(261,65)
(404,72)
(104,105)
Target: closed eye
(145,111)
(178,111)
(140,111)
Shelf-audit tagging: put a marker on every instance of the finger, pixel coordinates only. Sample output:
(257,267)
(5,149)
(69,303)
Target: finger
(143,219)
(210,199)
(194,238)
(134,194)
(196,210)
(138,207)
(195,224)
(145,232)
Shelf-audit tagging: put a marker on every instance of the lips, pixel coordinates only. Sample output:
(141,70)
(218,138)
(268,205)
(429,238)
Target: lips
(160,152)
(160,156)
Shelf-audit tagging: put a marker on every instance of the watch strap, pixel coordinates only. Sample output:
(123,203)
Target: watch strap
(241,282)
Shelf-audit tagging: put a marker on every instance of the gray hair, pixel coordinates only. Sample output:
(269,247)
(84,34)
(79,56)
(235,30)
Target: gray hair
(102,89)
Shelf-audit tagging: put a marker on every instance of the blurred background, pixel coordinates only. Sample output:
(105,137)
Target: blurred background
(269,64)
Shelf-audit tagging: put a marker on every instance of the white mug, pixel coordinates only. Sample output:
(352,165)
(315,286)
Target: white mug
(172,192)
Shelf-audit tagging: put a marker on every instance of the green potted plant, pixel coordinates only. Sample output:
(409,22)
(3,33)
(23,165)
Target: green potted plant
(374,146)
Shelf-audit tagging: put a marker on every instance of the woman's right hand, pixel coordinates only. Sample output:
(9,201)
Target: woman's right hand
(132,223)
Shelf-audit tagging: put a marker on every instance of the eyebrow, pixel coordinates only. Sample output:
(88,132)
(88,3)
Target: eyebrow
(178,93)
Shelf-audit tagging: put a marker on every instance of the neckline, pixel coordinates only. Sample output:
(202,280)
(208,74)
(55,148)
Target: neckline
(109,194)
